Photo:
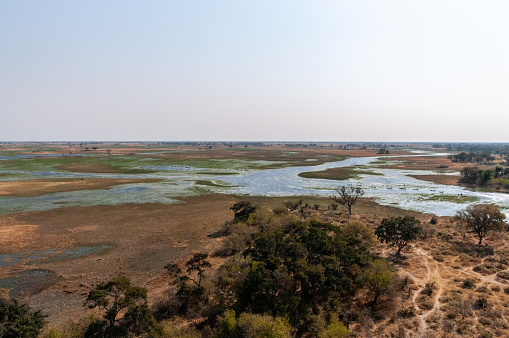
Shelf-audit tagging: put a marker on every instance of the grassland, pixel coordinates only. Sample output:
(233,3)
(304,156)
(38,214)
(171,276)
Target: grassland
(461,199)
(339,174)
(29,188)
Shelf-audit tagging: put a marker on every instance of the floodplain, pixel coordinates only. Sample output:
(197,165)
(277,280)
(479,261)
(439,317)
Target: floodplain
(73,215)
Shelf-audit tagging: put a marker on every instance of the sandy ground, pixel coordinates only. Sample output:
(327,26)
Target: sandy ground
(142,239)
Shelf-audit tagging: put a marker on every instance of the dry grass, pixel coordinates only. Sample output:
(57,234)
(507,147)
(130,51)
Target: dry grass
(29,188)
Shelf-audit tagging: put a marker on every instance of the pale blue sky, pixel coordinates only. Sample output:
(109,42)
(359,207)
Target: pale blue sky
(254,70)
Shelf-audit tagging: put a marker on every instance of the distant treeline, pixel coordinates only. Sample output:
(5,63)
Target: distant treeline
(492,148)
(498,176)
(472,157)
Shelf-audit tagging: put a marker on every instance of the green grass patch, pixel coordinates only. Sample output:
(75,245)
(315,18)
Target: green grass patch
(461,199)
(339,174)
(212,184)
(99,164)
(215,173)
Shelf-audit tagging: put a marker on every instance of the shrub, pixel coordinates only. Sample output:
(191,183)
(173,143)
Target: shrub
(172,330)
(335,329)
(468,283)
(242,210)
(360,231)
(250,325)
(428,289)
(281,210)
(481,303)
(407,313)
(503,274)
(167,306)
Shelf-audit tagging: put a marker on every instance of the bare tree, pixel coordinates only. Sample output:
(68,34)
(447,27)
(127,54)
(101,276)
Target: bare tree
(347,196)
(481,218)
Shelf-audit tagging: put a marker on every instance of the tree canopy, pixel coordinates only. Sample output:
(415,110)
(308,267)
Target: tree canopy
(17,320)
(398,231)
(348,196)
(481,218)
(302,269)
(126,313)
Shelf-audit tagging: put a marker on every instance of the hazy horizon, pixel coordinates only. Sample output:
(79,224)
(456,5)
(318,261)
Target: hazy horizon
(325,71)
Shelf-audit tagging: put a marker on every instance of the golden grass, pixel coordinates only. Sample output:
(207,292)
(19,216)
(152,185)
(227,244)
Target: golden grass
(29,188)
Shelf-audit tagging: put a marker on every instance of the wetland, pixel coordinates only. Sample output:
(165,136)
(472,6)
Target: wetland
(70,221)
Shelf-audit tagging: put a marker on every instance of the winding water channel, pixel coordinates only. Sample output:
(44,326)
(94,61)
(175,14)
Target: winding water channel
(390,187)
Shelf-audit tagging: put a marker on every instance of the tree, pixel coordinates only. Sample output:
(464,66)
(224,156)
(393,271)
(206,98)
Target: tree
(18,320)
(348,196)
(481,218)
(188,298)
(198,264)
(304,268)
(126,308)
(242,210)
(378,278)
(398,231)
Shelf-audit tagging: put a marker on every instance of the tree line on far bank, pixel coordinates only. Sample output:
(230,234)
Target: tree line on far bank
(497,177)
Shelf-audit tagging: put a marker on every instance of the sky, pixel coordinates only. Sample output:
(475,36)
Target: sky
(264,70)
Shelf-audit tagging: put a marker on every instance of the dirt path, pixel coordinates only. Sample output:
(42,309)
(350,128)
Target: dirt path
(444,276)
(432,276)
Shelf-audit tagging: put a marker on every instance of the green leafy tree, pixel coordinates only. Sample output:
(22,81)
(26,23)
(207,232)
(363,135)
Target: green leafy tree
(398,231)
(378,278)
(481,218)
(126,312)
(17,320)
(242,210)
(301,269)
(348,196)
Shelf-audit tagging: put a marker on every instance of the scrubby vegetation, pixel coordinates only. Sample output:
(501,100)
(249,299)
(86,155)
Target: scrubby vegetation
(497,177)
(308,270)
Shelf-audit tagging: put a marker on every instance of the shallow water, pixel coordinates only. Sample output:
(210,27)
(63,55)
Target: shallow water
(50,255)
(392,187)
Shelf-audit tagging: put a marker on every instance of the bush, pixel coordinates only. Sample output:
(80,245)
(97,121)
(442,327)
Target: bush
(335,329)
(167,306)
(172,330)
(407,313)
(503,274)
(280,211)
(468,283)
(251,326)
(360,231)
(481,303)
(428,289)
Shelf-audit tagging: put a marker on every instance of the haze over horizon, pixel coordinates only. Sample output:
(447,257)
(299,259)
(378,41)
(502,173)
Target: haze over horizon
(426,71)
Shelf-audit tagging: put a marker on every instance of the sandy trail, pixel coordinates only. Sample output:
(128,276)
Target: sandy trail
(432,276)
